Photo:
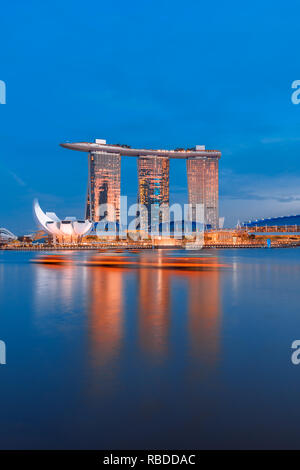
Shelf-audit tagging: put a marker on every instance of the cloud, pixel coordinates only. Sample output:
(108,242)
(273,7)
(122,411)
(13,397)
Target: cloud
(279,140)
(17,178)
(251,196)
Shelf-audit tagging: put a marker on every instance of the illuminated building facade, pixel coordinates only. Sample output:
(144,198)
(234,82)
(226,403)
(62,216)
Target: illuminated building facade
(153,178)
(69,230)
(104,186)
(203,188)
(153,181)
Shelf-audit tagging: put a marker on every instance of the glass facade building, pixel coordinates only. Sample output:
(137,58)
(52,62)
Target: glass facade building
(153,180)
(203,188)
(153,186)
(103,186)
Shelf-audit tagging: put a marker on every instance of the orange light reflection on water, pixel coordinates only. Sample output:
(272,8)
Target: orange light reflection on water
(196,279)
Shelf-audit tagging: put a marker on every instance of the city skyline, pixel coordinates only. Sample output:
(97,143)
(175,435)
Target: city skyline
(240,105)
(149,230)
(104,181)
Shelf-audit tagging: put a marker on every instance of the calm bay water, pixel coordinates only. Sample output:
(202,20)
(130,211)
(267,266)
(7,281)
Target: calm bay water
(114,358)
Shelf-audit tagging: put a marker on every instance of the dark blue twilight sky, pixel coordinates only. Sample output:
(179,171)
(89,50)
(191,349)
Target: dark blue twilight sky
(151,74)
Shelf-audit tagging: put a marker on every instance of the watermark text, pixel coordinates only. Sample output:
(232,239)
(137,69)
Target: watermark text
(2,92)
(2,353)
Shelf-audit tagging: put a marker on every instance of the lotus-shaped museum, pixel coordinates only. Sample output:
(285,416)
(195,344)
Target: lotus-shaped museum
(67,230)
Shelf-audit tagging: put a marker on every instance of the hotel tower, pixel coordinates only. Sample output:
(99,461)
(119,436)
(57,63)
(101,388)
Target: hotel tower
(153,181)
(104,178)
(203,188)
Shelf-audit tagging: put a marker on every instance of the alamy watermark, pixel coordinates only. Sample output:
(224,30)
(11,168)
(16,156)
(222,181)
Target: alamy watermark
(2,353)
(2,92)
(295,357)
(296,94)
(139,222)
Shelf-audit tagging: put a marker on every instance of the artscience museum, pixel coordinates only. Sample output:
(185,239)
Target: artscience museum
(69,230)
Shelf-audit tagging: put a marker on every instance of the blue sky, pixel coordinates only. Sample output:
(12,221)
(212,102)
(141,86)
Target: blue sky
(152,74)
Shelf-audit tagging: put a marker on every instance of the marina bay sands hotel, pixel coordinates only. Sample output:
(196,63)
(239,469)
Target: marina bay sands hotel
(104,180)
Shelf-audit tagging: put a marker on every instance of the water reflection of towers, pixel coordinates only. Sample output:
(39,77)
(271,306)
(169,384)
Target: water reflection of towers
(154,294)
